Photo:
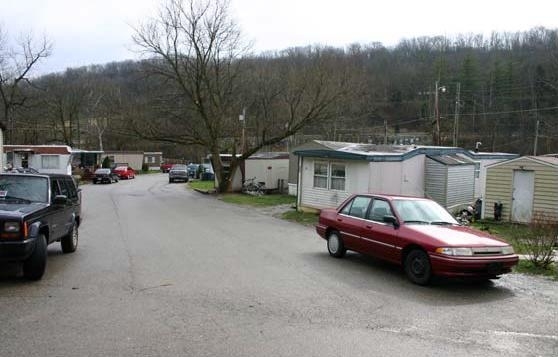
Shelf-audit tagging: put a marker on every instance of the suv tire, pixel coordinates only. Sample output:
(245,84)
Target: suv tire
(34,267)
(69,242)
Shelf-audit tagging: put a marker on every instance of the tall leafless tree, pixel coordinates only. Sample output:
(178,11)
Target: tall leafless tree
(198,48)
(16,63)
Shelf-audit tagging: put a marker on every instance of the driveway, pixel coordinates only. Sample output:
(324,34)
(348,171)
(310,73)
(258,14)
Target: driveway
(165,271)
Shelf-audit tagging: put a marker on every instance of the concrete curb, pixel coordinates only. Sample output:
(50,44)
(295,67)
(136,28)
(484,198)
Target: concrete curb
(205,192)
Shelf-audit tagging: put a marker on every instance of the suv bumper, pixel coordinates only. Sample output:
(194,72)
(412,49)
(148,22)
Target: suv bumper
(16,250)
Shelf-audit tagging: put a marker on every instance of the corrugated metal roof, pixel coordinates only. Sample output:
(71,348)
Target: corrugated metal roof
(373,152)
(451,160)
(272,155)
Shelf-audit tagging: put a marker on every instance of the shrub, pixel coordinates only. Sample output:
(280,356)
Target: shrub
(106,163)
(539,242)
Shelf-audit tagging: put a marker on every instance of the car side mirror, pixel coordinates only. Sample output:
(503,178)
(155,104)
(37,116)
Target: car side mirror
(60,199)
(391,220)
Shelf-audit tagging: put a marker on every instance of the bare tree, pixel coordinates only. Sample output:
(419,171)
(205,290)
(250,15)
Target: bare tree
(197,48)
(104,106)
(16,64)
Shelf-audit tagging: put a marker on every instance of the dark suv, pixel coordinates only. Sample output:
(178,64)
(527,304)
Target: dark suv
(35,211)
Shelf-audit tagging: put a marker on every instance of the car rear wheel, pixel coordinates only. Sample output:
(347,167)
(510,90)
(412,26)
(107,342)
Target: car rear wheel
(417,267)
(335,245)
(34,267)
(69,242)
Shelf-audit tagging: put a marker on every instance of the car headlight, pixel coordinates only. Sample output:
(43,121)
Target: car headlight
(508,250)
(11,227)
(462,251)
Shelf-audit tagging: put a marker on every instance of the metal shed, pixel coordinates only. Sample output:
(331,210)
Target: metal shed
(523,186)
(272,168)
(450,180)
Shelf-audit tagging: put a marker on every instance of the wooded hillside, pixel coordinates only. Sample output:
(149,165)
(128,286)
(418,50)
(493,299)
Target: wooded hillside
(501,91)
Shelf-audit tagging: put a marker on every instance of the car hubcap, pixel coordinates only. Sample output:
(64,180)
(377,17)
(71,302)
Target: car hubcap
(333,244)
(418,266)
(75,237)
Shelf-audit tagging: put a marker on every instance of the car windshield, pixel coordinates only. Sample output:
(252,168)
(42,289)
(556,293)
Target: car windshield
(179,167)
(121,168)
(102,171)
(422,212)
(24,188)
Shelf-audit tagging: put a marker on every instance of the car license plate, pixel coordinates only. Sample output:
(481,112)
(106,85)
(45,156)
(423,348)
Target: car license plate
(495,268)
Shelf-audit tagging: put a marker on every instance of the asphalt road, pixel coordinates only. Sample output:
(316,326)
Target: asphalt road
(164,271)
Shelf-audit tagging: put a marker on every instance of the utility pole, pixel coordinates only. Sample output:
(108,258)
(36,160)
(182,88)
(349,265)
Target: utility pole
(385,132)
(536,138)
(436,116)
(438,89)
(242,118)
(456,117)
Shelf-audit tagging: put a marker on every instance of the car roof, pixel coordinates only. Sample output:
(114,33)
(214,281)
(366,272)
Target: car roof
(27,174)
(392,197)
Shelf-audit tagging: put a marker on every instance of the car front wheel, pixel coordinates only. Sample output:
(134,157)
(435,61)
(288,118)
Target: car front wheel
(34,267)
(335,245)
(417,267)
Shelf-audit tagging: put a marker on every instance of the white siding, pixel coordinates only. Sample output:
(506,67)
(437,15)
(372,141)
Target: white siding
(356,180)
(385,177)
(412,178)
(399,177)
(268,171)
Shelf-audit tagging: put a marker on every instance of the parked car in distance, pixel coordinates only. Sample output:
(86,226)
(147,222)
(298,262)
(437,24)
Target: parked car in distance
(207,173)
(193,170)
(165,167)
(416,233)
(37,210)
(104,176)
(178,172)
(124,172)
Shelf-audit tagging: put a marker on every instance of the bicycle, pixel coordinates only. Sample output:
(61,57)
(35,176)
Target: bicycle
(253,187)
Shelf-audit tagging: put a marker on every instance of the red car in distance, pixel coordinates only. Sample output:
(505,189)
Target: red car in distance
(124,172)
(165,167)
(416,233)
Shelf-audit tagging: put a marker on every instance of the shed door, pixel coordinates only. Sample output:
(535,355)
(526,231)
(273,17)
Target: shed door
(522,200)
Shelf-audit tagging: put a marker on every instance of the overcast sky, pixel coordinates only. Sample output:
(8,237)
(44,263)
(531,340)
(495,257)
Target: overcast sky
(99,31)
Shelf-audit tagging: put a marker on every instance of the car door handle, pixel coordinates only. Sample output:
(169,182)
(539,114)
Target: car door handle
(368,226)
(339,220)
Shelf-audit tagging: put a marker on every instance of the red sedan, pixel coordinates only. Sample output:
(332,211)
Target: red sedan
(124,172)
(416,233)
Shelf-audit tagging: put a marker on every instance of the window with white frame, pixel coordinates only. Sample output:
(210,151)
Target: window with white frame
(328,175)
(50,161)
(337,179)
(320,174)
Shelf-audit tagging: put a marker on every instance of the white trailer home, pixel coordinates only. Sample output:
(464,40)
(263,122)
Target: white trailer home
(43,158)
(331,171)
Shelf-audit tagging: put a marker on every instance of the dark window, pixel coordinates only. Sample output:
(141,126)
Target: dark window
(380,208)
(357,207)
